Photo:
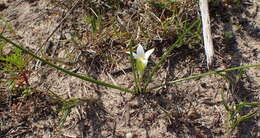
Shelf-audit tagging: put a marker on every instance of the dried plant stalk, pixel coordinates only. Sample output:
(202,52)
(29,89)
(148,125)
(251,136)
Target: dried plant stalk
(208,43)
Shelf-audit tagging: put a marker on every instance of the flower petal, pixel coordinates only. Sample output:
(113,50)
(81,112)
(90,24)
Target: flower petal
(135,56)
(148,53)
(140,51)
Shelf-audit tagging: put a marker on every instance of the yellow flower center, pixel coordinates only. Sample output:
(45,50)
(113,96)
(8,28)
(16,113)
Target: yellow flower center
(141,58)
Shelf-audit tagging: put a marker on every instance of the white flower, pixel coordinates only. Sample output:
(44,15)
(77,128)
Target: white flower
(142,56)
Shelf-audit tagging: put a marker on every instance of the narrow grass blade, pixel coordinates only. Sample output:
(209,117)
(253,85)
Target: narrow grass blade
(224,101)
(247,105)
(205,74)
(89,79)
(167,53)
(243,118)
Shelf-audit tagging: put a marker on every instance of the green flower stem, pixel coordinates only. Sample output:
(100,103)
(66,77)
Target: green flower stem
(98,82)
(167,53)
(205,74)
(134,68)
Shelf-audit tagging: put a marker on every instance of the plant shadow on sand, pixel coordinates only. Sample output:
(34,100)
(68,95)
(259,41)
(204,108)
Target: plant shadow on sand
(240,91)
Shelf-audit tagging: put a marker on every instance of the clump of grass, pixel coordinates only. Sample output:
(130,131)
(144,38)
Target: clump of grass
(13,65)
(234,112)
(95,21)
(13,62)
(177,43)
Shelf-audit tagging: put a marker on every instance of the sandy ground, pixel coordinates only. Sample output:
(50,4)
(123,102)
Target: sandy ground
(189,109)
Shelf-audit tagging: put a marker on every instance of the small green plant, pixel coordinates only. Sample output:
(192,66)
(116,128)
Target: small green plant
(141,60)
(13,62)
(95,21)
(234,112)
(228,36)
(235,116)
(26,91)
(177,43)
